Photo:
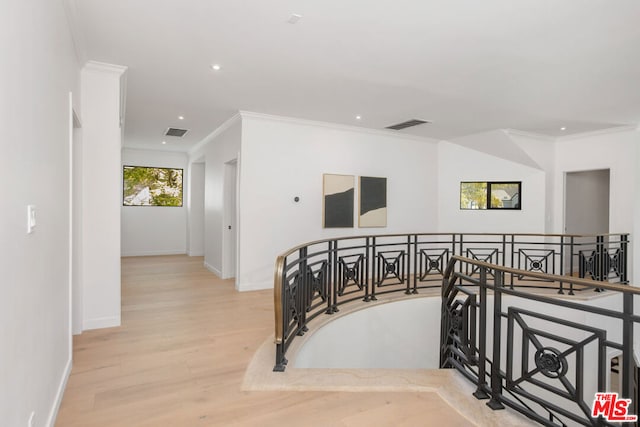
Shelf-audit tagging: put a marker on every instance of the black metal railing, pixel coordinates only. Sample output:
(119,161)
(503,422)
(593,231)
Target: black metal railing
(317,277)
(541,355)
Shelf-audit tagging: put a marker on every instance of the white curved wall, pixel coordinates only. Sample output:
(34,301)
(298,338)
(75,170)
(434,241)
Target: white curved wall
(402,334)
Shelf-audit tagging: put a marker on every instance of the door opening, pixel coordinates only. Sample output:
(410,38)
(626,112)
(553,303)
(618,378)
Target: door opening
(586,212)
(587,202)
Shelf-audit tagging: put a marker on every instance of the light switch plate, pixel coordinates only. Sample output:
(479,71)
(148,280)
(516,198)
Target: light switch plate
(31,218)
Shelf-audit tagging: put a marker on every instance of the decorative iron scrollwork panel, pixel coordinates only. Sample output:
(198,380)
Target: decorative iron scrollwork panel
(553,362)
(537,260)
(318,284)
(487,255)
(615,264)
(588,264)
(351,272)
(603,265)
(293,307)
(432,262)
(390,268)
(458,323)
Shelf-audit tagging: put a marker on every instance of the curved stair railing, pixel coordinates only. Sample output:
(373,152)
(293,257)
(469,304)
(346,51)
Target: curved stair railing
(316,278)
(544,356)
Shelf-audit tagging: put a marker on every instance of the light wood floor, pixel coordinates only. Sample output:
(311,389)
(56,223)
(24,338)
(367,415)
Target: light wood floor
(180,355)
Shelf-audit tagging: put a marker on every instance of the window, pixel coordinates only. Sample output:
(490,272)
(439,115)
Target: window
(148,186)
(490,195)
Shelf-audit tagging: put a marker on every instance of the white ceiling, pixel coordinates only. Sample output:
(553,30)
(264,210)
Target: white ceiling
(467,65)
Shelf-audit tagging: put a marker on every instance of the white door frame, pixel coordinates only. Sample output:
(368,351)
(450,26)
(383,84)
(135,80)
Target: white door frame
(230,228)
(75,221)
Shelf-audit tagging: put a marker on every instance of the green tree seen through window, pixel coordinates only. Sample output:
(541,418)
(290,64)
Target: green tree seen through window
(473,195)
(149,186)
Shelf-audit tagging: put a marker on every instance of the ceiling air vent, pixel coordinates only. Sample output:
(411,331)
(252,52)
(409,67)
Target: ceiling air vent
(176,132)
(407,124)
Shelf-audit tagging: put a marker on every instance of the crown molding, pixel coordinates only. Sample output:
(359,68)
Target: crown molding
(599,132)
(105,67)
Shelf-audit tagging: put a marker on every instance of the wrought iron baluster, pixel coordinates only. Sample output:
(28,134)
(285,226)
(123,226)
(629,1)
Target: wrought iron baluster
(562,244)
(416,263)
(374,275)
(624,240)
(496,379)
(581,274)
(303,291)
(600,261)
(330,278)
(480,392)
(368,265)
(336,281)
(627,346)
(513,254)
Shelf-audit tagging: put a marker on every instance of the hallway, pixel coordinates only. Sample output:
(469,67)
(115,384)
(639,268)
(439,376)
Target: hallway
(180,356)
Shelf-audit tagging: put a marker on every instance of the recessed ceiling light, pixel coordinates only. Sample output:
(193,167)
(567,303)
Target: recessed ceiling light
(164,142)
(215,67)
(180,117)
(358,117)
(563,128)
(294,18)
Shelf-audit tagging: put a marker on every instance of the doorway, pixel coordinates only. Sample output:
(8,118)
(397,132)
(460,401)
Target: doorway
(586,212)
(587,202)
(229,221)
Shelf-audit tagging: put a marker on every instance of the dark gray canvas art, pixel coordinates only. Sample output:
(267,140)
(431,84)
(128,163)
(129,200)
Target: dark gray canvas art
(373,202)
(338,194)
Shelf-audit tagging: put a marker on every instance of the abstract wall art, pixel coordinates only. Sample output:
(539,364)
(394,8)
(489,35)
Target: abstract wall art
(373,202)
(338,200)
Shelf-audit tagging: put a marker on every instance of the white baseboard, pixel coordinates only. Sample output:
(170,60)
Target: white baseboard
(244,287)
(195,253)
(154,253)
(99,323)
(53,413)
(212,269)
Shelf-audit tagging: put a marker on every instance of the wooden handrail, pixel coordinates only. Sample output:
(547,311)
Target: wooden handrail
(316,242)
(550,277)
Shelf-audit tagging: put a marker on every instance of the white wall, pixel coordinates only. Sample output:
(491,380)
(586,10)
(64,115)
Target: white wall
(542,151)
(195,241)
(285,158)
(458,163)
(155,230)
(101,194)
(616,151)
(377,338)
(220,147)
(38,71)
(635,238)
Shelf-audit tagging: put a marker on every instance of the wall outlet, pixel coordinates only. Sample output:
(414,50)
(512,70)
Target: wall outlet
(31,419)
(31,218)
